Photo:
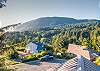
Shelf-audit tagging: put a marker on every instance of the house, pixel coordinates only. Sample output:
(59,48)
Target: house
(34,47)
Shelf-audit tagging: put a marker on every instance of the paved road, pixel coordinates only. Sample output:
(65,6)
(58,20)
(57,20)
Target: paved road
(38,65)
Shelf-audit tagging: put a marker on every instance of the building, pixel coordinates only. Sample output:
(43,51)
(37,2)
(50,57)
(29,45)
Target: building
(34,47)
(79,64)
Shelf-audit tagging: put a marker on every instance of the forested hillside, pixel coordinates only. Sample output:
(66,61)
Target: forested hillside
(52,22)
(86,34)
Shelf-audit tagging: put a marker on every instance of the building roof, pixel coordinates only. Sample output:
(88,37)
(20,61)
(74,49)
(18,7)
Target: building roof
(88,65)
(78,50)
(78,64)
(39,45)
(34,46)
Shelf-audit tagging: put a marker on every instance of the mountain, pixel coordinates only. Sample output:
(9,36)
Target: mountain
(48,22)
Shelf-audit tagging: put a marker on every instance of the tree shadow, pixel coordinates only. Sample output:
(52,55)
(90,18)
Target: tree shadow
(36,62)
(39,62)
(58,61)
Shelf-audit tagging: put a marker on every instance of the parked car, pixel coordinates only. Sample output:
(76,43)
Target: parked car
(46,58)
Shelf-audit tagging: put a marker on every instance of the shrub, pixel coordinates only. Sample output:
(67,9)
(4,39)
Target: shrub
(97,61)
(2,62)
(44,53)
(69,56)
(59,56)
(38,55)
(43,59)
(30,57)
(14,55)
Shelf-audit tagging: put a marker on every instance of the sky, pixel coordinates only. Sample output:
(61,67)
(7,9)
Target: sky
(18,11)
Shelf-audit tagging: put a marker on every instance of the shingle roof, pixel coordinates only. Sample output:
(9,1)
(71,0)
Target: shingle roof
(88,65)
(78,64)
(70,65)
(78,50)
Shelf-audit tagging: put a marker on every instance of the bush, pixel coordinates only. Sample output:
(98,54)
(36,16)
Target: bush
(31,56)
(43,59)
(38,55)
(21,49)
(2,62)
(59,55)
(44,53)
(14,55)
(69,56)
(97,61)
